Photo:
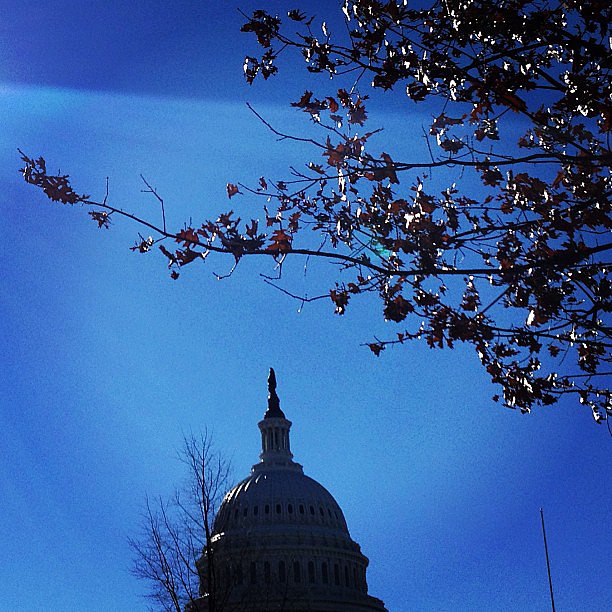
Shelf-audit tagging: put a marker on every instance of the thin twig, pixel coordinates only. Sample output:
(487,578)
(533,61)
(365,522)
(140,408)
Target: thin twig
(161,201)
(302,298)
(281,135)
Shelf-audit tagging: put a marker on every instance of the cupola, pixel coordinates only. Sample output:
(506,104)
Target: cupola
(274,428)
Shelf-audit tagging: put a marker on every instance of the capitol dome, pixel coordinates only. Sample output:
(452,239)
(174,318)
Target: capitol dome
(280,540)
(280,497)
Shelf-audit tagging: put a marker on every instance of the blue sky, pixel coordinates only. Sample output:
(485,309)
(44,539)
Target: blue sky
(107,361)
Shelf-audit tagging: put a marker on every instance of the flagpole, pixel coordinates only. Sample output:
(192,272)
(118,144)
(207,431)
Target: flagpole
(552,597)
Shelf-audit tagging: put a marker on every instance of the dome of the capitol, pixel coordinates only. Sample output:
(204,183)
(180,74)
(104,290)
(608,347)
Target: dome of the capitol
(280,497)
(280,540)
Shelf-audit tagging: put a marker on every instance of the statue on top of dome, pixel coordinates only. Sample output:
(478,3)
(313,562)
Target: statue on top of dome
(273,410)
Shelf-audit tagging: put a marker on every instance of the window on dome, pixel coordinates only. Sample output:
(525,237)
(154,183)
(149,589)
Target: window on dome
(355,581)
(321,511)
(245,511)
(336,574)
(297,571)
(282,572)
(312,510)
(329,513)
(311,572)
(301,508)
(324,575)
(253,572)
(346,576)
(255,510)
(278,509)
(290,509)
(267,508)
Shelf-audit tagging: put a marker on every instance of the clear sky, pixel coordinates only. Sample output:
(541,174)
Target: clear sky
(107,361)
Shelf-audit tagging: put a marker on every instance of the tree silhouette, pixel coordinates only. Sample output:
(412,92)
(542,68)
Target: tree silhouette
(176,534)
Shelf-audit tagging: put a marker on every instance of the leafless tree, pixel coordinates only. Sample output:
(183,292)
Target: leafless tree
(176,533)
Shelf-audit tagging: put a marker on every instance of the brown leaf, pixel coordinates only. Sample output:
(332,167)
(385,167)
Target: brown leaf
(340,298)
(376,348)
(280,241)
(251,230)
(397,309)
(168,254)
(332,105)
(187,256)
(101,217)
(452,145)
(511,100)
(296,15)
(304,101)
(358,113)
(188,235)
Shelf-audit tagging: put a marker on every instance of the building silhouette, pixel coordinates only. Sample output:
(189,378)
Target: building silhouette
(280,540)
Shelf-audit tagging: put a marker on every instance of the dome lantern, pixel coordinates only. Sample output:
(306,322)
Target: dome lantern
(274,428)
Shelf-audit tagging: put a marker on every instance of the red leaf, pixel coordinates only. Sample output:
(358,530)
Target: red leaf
(304,101)
(188,236)
(452,145)
(512,100)
(492,176)
(397,309)
(340,299)
(389,171)
(344,97)
(332,105)
(296,15)
(358,113)
(335,156)
(294,221)
(251,230)
(225,219)
(232,189)
(280,241)
(441,122)
(376,348)
(102,218)
(168,254)
(185,257)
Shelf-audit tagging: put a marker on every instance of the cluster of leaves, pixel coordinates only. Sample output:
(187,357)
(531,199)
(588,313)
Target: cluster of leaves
(55,186)
(515,268)
(505,248)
